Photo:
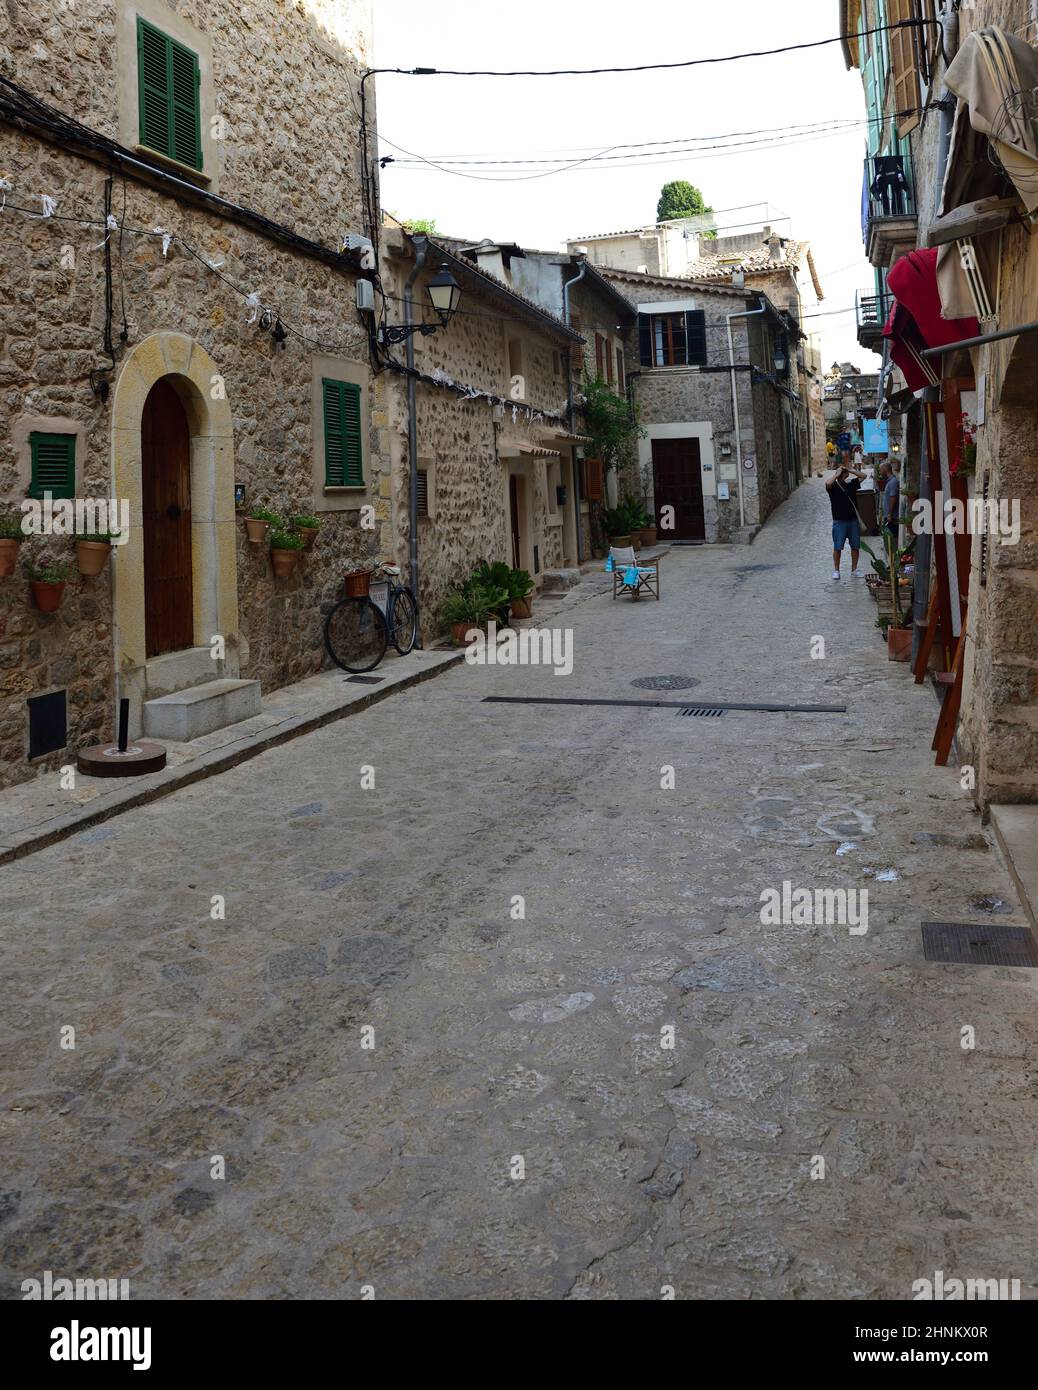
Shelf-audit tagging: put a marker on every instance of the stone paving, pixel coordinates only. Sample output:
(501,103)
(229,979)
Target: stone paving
(519,1129)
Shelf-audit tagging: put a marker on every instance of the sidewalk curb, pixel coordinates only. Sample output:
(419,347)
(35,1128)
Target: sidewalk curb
(219,760)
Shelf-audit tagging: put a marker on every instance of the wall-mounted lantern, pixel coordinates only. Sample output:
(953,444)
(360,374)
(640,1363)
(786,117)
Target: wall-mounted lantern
(444,295)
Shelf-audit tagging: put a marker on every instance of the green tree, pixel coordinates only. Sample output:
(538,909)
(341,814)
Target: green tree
(680,199)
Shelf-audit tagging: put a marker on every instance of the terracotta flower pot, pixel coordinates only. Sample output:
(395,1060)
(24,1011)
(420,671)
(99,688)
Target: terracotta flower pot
(522,607)
(92,556)
(256,529)
(636,540)
(899,643)
(648,535)
(47,596)
(309,535)
(620,542)
(358,583)
(8,556)
(463,634)
(284,562)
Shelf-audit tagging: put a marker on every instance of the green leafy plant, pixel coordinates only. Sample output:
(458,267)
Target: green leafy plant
(264,514)
(11,527)
(679,198)
(48,573)
(305,523)
(521,584)
(612,424)
(469,604)
(285,540)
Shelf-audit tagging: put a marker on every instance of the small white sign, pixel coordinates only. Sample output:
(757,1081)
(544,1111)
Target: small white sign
(749,461)
(722,492)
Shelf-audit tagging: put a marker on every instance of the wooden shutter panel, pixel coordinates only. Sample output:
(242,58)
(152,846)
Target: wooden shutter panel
(598,354)
(903,63)
(186,120)
(423,492)
(53,465)
(153,87)
(695,337)
(645,339)
(168,86)
(343,456)
(593,480)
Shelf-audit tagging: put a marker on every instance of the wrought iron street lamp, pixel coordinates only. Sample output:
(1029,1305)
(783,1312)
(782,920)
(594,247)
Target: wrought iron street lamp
(444,295)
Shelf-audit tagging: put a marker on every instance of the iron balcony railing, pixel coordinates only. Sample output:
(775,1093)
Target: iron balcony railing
(889,190)
(872,310)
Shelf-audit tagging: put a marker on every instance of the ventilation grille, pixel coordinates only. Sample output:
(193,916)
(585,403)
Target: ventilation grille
(699,712)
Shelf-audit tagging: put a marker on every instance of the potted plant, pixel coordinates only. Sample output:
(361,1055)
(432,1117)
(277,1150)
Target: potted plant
(11,537)
(308,527)
(520,594)
(285,550)
(48,585)
(636,520)
(495,580)
(617,526)
(93,549)
(258,523)
(465,610)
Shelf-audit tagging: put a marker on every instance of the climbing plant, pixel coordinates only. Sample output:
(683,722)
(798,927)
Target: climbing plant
(612,423)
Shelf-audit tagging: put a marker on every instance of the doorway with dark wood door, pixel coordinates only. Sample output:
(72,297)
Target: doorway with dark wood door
(516,501)
(677,482)
(166,500)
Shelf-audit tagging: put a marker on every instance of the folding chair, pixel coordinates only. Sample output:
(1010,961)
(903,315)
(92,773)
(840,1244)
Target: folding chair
(631,578)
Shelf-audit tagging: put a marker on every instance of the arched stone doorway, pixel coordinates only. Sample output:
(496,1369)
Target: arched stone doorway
(175,579)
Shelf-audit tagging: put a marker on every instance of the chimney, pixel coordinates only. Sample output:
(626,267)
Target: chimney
(774,244)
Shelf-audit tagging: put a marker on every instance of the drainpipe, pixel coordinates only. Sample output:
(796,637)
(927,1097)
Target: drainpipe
(746,314)
(421,248)
(569,413)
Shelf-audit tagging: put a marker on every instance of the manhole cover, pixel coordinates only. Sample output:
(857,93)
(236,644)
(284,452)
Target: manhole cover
(665,682)
(973,943)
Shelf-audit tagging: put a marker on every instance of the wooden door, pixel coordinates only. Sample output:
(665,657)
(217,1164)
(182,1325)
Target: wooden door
(514,499)
(678,483)
(166,497)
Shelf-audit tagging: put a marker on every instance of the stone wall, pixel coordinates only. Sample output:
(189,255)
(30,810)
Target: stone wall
(468,446)
(52,320)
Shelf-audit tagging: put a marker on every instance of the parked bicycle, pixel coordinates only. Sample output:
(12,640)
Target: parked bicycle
(358,631)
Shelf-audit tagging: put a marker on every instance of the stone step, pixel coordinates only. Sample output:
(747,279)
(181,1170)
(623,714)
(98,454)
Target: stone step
(557,581)
(187,714)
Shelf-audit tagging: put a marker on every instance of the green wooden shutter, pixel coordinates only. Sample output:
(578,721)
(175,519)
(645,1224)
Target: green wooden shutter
(53,465)
(343,456)
(168,82)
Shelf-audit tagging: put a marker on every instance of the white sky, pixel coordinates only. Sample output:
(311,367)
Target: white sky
(817,183)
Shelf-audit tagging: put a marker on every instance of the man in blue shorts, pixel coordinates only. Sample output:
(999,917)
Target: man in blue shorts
(842,487)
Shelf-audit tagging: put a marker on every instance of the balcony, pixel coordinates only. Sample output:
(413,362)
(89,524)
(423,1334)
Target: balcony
(872,311)
(889,221)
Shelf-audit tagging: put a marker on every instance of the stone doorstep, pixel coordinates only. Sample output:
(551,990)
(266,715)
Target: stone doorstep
(1016,830)
(30,821)
(202,709)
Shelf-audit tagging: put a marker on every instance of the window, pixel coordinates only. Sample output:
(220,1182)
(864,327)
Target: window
(673,340)
(903,62)
(620,369)
(168,102)
(608,355)
(598,355)
(594,482)
(53,465)
(343,455)
(517,381)
(423,492)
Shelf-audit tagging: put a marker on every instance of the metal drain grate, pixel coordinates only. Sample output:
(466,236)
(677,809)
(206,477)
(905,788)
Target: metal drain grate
(366,680)
(699,712)
(975,943)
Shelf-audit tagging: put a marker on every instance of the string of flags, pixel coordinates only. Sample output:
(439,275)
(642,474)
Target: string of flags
(258,311)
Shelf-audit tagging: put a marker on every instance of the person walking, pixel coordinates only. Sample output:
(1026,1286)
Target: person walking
(842,488)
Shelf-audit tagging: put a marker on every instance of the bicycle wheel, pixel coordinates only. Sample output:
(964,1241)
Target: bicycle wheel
(355,634)
(403,621)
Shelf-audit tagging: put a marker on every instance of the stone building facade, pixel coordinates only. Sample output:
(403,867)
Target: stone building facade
(201,246)
(997,731)
(685,409)
(496,457)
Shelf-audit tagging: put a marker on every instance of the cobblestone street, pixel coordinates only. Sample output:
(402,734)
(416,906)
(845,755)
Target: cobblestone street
(519,1128)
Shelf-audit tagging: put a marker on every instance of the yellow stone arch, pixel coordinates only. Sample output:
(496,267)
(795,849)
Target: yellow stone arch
(194,375)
